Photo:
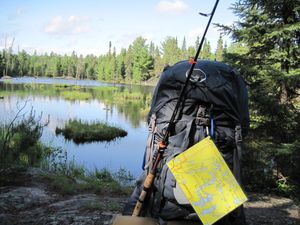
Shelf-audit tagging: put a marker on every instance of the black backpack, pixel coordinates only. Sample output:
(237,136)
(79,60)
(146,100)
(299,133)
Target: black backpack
(215,104)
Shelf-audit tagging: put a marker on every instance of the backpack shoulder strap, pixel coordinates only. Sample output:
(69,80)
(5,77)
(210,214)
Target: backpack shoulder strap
(149,151)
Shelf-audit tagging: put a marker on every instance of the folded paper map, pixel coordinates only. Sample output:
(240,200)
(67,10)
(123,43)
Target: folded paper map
(207,181)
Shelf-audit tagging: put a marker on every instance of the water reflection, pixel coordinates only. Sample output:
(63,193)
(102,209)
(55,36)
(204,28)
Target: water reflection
(119,105)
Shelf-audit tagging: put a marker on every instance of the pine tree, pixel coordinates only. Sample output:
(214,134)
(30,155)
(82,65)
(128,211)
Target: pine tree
(158,62)
(51,66)
(2,63)
(191,52)
(220,49)
(142,60)
(197,42)
(171,52)
(90,65)
(267,53)
(113,63)
(129,63)
(121,69)
(23,60)
(152,49)
(206,51)
(269,34)
(184,51)
(80,68)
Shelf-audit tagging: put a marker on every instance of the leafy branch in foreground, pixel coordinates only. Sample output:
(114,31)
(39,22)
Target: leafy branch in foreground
(82,132)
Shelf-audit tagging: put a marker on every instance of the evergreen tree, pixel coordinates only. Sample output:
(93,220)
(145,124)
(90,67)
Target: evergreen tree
(191,52)
(197,42)
(51,66)
(171,52)
(129,63)
(72,62)
(206,51)
(90,65)
(267,53)
(101,68)
(139,62)
(184,51)
(23,59)
(142,61)
(220,49)
(2,63)
(80,68)
(158,62)
(269,31)
(152,49)
(121,68)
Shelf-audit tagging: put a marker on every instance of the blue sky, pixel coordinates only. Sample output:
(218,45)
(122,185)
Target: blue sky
(87,26)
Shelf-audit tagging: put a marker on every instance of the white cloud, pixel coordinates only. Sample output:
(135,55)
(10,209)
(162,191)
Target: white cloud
(67,26)
(172,6)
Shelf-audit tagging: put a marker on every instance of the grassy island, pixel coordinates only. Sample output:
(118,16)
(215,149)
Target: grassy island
(82,132)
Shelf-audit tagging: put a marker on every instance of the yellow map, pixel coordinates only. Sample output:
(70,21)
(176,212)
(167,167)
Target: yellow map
(207,181)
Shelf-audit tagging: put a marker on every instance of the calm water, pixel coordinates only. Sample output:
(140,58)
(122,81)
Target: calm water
(105,106)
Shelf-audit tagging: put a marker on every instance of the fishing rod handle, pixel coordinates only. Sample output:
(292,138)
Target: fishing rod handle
(147,185)
(149,180)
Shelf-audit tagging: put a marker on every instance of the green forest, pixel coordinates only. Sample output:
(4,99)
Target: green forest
(266,52)
(138,63)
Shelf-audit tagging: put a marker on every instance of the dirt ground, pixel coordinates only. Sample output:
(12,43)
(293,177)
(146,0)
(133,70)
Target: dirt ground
(274,210)
(34,203)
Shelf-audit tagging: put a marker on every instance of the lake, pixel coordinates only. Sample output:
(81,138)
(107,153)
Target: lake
(125,106)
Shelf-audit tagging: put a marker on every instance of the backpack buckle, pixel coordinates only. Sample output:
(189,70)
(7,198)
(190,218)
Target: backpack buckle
(202,119)
(238,133)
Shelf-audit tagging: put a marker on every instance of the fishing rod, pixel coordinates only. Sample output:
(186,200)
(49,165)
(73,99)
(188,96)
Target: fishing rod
(164,142)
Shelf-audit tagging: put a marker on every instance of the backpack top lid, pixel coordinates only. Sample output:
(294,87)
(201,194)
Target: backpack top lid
(212,83)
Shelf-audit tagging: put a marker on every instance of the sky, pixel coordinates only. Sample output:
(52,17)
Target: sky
(87,26)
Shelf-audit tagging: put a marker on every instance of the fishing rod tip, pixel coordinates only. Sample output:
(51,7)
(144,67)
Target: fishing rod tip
(204,14)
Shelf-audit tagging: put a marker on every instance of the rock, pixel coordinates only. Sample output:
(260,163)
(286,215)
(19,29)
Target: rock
(79,181)
(6,77)
(34,203)
(76,202)
(22,198)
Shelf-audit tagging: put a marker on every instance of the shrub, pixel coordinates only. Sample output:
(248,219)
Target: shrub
(19,140)
(81,132)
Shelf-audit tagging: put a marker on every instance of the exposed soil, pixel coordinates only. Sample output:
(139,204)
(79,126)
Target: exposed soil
(28,200)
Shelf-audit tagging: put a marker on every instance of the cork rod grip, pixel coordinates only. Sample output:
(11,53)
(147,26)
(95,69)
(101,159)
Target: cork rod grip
(147,184)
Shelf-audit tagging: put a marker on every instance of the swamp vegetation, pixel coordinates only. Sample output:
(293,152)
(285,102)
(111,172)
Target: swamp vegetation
(82,132)
(21,148)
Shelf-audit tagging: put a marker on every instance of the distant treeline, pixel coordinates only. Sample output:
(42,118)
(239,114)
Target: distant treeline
(139,62)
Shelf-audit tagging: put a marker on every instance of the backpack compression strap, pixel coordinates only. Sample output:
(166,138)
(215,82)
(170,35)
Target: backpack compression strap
(237,153)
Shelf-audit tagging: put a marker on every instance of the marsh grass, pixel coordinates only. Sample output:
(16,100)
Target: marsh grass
(7,81)
(21,148)
(83,132)
(101,182)
(19,140)
(76,95)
